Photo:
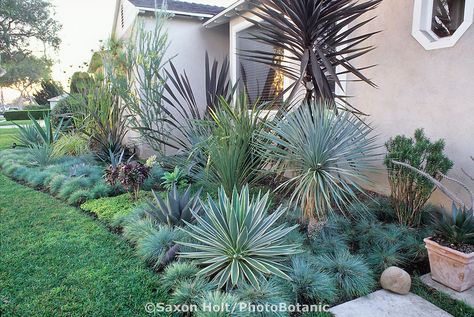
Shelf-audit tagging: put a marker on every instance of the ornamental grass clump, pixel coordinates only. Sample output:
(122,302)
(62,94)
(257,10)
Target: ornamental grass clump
(236,240)
(410,190)
(326,155)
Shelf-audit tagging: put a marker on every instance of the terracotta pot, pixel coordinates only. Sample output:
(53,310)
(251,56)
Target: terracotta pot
(450,267)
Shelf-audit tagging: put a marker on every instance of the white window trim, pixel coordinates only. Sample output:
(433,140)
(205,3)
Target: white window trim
(422,20)
(238,27)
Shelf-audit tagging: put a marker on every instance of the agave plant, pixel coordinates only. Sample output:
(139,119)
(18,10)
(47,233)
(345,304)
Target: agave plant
(237,241)
(35,135)
(326,153)
(318,40)
(457,228)
(176,209)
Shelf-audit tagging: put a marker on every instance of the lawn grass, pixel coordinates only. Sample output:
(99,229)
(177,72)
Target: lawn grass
(57,261)
(20,122)
(7,137)
(443,301)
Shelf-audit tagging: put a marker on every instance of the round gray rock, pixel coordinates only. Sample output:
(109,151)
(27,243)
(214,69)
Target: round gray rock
(396,280)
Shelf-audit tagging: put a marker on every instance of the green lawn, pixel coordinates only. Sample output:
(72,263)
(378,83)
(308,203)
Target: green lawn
(20,122)
(7,137)
(443,301)
(57,261)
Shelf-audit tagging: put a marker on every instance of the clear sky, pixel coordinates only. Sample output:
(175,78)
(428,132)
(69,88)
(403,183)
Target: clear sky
(85,23)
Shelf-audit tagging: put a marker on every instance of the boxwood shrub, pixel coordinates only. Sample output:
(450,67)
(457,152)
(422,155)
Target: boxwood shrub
(15,115)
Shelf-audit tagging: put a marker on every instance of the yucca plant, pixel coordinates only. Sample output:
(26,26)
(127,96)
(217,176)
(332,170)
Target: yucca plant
(41,154)
(457,228)
(28,135)
(236,239)
(317,40)
(34,134)
(230,150)
(176,209)
(325,152)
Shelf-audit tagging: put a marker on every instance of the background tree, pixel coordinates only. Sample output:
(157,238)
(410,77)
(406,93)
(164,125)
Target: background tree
(80,81)
(25,71)
(49,89)
(22,21)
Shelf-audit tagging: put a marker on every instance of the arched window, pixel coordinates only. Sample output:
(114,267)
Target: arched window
(441,23)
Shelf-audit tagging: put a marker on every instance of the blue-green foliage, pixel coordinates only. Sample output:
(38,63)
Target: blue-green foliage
(73,179)
(353,276)
(155,178)
(309,283)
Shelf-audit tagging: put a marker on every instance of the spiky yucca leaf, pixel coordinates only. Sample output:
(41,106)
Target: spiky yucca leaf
(237,241)
(315,42)
(327,153)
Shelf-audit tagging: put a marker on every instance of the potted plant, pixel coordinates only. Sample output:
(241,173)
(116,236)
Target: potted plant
(451,248)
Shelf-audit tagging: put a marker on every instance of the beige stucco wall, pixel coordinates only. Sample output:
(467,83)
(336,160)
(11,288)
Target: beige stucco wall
(418,88)
(188,43)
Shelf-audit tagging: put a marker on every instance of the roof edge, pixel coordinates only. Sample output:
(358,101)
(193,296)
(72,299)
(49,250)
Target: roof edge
(233,10)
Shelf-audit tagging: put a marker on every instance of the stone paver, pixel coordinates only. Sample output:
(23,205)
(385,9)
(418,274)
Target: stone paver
(385,304)
(466,296)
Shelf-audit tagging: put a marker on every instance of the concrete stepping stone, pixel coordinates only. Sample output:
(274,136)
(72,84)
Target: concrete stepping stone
(466,296)
(386,304)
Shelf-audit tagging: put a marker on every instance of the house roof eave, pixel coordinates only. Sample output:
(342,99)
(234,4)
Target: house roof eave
(225,16)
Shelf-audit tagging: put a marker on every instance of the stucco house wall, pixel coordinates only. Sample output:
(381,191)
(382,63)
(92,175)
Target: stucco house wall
(188,43)
(417,88)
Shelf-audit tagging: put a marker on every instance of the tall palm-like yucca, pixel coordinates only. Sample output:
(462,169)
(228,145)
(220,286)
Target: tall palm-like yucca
(326,155)
(315,40)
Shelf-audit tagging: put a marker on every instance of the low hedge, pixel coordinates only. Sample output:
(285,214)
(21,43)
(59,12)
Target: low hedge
(23,114)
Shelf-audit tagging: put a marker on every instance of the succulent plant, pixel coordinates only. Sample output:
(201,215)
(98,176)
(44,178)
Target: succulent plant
(237,240)
(457,228)
(176,209)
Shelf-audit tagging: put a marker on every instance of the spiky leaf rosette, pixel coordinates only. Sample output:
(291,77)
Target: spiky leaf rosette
(327,154)
(236,239)
(175,209)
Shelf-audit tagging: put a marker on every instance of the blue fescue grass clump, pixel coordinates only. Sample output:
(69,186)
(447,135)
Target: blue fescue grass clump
(178,272)
(78,197)
(73,179)
(56,183)
(74,184)
(269,292)
(353,276)
(310,284)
